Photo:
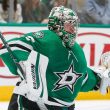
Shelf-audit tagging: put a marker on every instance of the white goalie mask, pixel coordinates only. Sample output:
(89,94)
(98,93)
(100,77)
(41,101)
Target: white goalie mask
(65,23)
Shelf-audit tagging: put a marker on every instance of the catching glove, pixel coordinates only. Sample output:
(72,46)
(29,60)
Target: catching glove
(104,73)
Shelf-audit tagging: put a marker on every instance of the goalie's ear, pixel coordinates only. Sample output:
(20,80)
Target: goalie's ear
(105,59)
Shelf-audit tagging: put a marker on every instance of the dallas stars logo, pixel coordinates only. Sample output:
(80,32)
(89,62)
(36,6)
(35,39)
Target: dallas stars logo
(67,79)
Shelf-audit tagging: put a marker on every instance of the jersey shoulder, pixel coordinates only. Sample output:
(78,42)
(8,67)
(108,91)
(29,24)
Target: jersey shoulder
(45,34)
(42,34)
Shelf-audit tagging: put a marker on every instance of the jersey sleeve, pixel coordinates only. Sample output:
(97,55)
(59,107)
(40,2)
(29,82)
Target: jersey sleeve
(90,81)
(21,47)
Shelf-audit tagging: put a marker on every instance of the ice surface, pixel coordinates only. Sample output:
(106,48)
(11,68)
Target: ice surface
(80,105)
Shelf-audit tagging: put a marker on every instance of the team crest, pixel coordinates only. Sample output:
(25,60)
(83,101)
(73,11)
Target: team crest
(38,34)
(67,79)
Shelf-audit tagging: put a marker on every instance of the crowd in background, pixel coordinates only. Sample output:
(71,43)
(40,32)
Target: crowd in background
(37,11)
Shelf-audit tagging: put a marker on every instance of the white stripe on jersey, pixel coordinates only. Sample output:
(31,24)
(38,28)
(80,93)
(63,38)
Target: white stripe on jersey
(4,50)
(22,43)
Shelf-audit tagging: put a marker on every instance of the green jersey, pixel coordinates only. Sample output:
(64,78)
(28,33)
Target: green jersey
(66,70)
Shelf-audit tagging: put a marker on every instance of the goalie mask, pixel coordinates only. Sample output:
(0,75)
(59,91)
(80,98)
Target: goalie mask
(65,23)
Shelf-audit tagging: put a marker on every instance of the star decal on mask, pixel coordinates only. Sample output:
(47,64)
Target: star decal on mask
(67,79)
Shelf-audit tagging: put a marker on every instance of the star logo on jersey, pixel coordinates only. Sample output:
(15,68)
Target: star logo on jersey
(67,79)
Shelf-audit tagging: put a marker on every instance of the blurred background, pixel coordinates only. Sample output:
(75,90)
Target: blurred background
(37,11)
(22,16)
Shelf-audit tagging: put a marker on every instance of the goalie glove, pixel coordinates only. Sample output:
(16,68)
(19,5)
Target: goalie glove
(105,60)
(105,81)
(104,73)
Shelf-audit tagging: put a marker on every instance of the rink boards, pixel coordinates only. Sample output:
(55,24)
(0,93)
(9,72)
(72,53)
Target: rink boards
(6,92)
(94,40)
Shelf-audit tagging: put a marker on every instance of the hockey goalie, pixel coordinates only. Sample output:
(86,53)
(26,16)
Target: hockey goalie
(54,66)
